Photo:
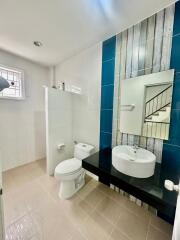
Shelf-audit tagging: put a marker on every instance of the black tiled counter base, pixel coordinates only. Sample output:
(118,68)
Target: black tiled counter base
(149,190)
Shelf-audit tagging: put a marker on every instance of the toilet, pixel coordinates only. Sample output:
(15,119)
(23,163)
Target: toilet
(70,171)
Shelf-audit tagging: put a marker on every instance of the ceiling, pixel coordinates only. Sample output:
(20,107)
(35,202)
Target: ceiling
(66,27)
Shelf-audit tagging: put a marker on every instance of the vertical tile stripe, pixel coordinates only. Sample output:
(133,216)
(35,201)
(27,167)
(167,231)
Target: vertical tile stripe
(117,57)
(167,38)
(129,52)
(135,57)
(158,41)
(116,90)
(150,44)
(123,55)
(142,47)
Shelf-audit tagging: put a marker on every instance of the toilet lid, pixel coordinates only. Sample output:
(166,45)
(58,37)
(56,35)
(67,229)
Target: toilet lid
(69,166)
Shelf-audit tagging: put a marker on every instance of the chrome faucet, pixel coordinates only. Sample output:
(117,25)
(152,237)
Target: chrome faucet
(135,147)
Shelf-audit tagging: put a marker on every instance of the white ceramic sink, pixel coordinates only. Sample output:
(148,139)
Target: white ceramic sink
(139,163)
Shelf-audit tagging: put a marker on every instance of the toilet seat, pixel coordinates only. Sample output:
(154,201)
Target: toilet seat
(69,166)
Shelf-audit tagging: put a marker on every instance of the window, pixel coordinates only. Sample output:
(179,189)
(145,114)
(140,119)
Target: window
(15,78)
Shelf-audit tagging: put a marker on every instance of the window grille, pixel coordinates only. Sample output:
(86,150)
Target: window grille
(15,77)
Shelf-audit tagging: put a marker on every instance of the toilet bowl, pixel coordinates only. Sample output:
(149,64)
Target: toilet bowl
(70,171)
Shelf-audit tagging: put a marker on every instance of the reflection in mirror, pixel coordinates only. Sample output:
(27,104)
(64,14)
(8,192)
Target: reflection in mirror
(145,105)
(157,111)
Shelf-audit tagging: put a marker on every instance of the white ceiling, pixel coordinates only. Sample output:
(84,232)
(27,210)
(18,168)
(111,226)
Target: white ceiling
(66,27)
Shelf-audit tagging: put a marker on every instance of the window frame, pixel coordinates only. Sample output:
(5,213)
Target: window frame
(22,84)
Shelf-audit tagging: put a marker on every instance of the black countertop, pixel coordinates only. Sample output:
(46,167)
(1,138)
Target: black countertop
(150,190)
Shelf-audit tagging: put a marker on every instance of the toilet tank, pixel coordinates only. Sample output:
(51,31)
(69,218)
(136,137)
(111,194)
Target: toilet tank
(83,150)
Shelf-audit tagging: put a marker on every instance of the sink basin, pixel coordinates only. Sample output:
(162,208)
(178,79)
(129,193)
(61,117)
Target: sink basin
(139,163)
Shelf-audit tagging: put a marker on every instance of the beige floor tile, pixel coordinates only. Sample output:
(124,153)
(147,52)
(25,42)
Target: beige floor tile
(91,194)
(93,182)
(132,226)
(45,224)
(21,180)
(23,228)
(57,228)
(76,209)
(110,193)
(36,173)
(137,210)
(36,197)
(88,187)
(14,207)
(161,224)
(96,227)
(12,214)
(20,176)
(118,235)
(81,203)
(48,210)
(41,164)
(8,182)
(50,185)
(77,235)
(156,234)
(47,181)
(22,170)
(36,237)
(109,209)
(95,213)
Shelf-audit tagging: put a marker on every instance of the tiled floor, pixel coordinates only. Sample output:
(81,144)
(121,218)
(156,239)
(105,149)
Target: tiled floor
(34,211)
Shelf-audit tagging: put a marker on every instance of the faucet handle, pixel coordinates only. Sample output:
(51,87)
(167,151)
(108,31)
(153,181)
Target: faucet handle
(135,146)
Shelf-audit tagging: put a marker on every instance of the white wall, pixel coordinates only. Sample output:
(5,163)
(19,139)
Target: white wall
(58,127)
(152,91)
(84,71)
(22,123)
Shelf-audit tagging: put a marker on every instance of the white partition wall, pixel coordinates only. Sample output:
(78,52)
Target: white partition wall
(58,106)
(83,72)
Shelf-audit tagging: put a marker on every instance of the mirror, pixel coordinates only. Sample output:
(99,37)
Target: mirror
(145,104)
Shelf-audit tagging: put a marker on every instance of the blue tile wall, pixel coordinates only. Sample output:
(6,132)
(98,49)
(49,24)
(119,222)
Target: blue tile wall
(175,53)
(171,157)
(109,49)
(108,72)
(171,147)
(174,133)
(105,140)
(177,19)
(176,92)
(107,92)
(106,121)
(107,97)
